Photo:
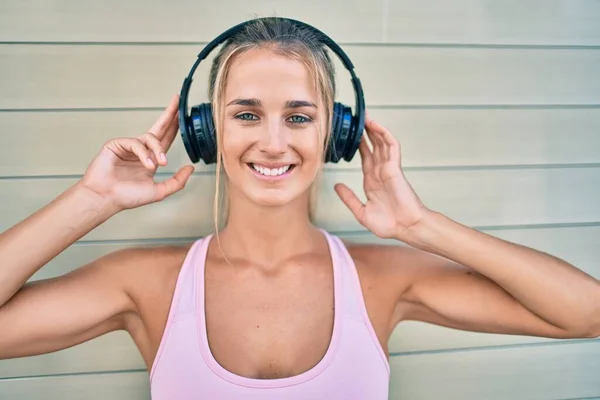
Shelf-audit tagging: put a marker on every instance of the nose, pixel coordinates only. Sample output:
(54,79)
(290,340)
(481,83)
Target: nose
(274,139)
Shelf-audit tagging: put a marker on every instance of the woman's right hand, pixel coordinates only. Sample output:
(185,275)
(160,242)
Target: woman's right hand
(123,172)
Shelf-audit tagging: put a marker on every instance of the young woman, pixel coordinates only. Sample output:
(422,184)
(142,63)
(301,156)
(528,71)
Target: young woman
(270,306)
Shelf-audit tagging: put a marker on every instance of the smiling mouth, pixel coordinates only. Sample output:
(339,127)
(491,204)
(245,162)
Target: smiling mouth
(271,173)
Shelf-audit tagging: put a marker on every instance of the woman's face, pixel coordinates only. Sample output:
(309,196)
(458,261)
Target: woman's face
(271,146)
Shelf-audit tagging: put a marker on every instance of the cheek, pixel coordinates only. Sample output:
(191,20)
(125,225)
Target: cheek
(310,145)
(233,147)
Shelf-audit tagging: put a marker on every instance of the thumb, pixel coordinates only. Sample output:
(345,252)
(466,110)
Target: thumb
(173,184)
(350,200)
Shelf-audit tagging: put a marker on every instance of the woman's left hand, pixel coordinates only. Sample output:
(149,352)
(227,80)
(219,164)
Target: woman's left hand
(392,205)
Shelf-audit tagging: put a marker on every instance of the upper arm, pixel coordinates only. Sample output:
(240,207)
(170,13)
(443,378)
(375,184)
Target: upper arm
(57,313)
(433,289)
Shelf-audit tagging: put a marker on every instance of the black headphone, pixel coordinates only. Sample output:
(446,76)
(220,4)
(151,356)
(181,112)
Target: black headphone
(198,132)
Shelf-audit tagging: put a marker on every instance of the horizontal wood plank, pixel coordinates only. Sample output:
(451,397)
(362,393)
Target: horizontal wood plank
(70,76)
(565,371)
(116,351)
(429,138)
(563,22)
(472,197)
(425,70)
(114,386)
(496,197)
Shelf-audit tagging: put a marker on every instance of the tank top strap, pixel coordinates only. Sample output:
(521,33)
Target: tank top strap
(184,298)
(183,301)
(353,299)
(344,267)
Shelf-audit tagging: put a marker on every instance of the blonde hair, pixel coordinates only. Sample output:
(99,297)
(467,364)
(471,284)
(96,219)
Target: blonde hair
(290,40)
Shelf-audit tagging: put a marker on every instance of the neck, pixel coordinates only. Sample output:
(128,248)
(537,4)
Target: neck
(267,235)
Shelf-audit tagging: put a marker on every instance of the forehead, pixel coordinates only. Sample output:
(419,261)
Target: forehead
(263,73)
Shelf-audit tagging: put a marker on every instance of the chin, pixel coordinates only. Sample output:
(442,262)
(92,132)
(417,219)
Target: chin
(273,197)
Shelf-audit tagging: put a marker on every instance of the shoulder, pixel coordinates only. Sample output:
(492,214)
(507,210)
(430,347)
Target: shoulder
(157,258)
(381,258)
(147,277)
(389,257)
(144,268)
(402,269)
(140,273)
(396,266)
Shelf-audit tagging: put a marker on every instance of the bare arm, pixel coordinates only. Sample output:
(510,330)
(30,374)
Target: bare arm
(480,282)
(483,283)
(31,244)
(50,315)
(53,314)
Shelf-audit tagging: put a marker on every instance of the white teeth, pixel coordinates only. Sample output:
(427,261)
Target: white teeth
(270,172)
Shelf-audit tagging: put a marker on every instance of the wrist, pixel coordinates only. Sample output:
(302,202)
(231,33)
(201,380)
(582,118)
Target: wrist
(91,203)
(422,235)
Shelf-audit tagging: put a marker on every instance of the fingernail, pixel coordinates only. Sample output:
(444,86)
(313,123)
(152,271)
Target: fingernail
(150,162)
(163,157)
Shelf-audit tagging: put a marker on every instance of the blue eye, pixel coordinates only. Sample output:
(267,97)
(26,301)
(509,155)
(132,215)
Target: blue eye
(299,119)
(246,117)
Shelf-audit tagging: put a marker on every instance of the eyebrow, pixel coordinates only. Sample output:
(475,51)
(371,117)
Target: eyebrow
(299,104)
(253,102)
(245,102)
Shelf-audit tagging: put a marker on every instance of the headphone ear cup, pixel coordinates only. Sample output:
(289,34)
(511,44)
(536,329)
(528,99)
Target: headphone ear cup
(342,116)
(188,136)
(193,137)
(355,131)
(333,147)
(201,140)
(210,150)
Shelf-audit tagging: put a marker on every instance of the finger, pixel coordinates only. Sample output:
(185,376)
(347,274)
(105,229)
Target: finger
(375,141)
(366,156)
(170,133)
(392,144)
(165,118)
(382,147)
(124,147)
(155,146)
(385,149)
(351,201)
(173,184)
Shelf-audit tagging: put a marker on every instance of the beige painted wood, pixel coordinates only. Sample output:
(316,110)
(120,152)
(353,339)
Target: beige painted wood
(46,76)
(113,386)
(566,22)
(73,76)
(577,245)
(474,198)
(55,143)
(530,373)
(116,351)
(566,371)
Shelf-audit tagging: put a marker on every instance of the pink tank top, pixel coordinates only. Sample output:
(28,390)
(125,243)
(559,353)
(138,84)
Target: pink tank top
(354,365)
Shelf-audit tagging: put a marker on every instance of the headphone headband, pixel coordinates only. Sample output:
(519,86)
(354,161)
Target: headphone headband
(326,40)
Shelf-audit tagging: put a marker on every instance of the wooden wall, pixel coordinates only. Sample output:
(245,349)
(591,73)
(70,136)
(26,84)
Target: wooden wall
(496,104)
